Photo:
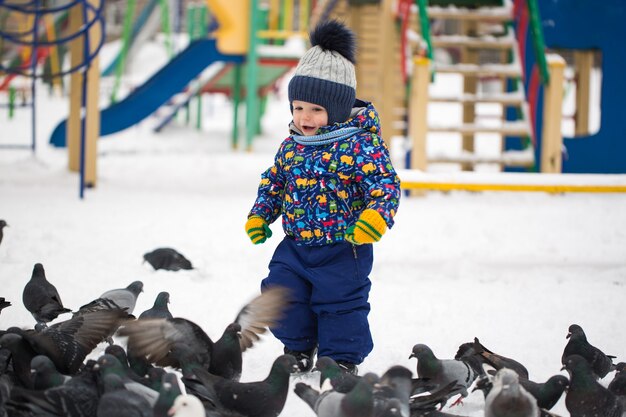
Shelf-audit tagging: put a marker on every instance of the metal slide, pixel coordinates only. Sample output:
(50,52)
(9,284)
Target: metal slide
(157,90)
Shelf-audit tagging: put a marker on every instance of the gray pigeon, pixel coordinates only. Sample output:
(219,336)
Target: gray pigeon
(159,310)
(340,380)
(44,374)
(585,396)
(359,402)
(168,259)
(508,398)
(442,372)
(41,298)
(3,224)
(168,392)
(601,364)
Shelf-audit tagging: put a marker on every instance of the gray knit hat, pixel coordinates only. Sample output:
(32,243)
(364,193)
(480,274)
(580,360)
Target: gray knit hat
(325,74)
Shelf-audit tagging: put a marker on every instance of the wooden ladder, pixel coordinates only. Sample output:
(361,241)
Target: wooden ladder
(478,29)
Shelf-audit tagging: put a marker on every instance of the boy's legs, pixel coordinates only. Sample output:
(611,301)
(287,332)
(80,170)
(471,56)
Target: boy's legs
(340,277)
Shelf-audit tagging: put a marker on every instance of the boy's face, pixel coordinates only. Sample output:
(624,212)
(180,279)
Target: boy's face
(309,117)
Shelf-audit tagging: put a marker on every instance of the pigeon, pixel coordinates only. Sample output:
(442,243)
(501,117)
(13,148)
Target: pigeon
(436,399)
(68,343)
(441,372)
(478,355)
(3,224)
(21,354)
(44,374)
(265,398)
(119,298)
(547,393)
(155,337)
(618,385)
(159,310)
(168,392)
(601,364)
(117,401)
(187,406)
(394,387)
(78,397)
(508,398)
(110,365)
(359,402)
(585,396)
(4,303)
(41,298)
(330,371)
(122,357)
(168,259)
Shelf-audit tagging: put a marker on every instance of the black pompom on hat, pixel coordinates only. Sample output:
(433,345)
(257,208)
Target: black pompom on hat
(325,74)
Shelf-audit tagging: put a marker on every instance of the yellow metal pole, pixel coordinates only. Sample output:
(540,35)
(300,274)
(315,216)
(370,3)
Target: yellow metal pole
(304,15)
(551,138)
(414,185)
(274,15)
(288,19)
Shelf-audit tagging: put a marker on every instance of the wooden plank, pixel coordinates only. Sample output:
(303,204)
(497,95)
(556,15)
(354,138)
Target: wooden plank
(481,14)
(507,129)
(474,43)
(504,98)
(489,70)
(584,64)
(551,138)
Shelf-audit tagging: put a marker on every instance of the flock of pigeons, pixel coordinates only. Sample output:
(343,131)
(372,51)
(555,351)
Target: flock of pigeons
(168,366)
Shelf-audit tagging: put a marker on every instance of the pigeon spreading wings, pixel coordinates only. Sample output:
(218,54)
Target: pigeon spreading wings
(155,338)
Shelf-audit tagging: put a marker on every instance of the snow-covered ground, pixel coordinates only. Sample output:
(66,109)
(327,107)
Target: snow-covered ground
(514,269)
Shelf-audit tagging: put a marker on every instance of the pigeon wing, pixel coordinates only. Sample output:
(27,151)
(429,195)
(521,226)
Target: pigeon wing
(262,312)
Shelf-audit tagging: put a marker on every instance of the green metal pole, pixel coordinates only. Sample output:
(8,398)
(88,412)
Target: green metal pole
(12,95)
(236,102)
(422,6)
(252,105)
(165,27)
(539,45)
(128,20)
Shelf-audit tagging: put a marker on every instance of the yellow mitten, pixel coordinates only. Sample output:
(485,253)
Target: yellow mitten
(257,229)
(369,228)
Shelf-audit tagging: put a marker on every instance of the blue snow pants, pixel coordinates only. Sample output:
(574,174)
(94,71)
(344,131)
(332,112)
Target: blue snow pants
(329,298)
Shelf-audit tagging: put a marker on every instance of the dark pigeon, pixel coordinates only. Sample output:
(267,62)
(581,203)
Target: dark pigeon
(155,337)
(265,398)
(3,224)
(117,401)
(441,372)
(21,355)
(359,402)
(585,396)
(122,357)
(44,374)
(78,397)
(478,356)
(618,385)
(41,298)
(601,364)
(168,392)
(4,303)
(110,365)
(159,310)
(330,371)
(508,398)
(546,393)
(168,259)
(393,391)
(436,399)
(68,343)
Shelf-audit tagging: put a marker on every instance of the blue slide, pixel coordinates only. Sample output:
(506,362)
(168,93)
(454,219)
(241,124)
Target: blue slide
(156,91)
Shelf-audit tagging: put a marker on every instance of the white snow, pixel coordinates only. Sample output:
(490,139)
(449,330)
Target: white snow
(513,269)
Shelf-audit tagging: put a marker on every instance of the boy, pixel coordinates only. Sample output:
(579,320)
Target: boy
(337,191)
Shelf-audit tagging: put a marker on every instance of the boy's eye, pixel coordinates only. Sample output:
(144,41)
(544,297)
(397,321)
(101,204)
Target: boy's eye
(297,108)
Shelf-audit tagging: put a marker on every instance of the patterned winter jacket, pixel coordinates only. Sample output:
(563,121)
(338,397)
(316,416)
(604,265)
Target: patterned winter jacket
(321,190)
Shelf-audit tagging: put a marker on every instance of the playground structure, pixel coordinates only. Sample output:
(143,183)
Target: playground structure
(488,41)
(494,40)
